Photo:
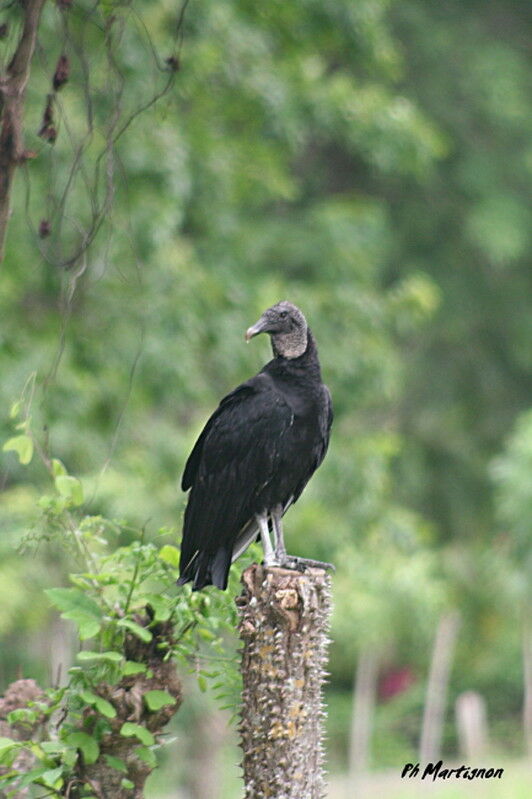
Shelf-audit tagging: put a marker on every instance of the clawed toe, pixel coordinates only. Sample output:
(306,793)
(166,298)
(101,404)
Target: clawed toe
(298,564)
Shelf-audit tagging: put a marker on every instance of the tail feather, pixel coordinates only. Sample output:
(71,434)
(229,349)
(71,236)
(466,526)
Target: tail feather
(206,568)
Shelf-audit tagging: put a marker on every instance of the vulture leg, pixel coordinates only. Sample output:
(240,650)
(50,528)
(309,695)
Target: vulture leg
(302,564)
(277,523)
(281,556)
(269,554)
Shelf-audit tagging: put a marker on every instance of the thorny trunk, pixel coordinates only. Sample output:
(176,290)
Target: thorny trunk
(440,669)
(12,91)
(284,626)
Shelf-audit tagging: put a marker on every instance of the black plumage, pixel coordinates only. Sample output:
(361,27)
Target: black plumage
(256,454)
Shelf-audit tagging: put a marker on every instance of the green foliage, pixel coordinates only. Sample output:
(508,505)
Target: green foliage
(511,475)
(467,228)
(22,445)
(370,161)
(155,700)
(79,608)
(121,591)
(129,729)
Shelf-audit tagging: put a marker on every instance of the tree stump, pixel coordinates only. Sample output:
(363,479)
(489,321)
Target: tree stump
(284,625)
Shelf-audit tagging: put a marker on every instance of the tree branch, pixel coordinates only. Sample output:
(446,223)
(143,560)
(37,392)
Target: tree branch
(12,93)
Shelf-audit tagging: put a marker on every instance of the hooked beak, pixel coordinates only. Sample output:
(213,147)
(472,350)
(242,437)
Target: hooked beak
(254,330)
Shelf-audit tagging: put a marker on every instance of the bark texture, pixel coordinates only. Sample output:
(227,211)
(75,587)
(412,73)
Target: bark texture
(284,626)
(12,91)
(127,699)
(17,696)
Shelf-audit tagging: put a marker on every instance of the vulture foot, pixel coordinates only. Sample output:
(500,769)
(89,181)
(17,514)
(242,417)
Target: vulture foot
(299,564)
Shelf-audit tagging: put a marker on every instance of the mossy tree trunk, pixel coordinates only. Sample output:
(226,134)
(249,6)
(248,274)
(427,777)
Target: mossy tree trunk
(284,626)
(103,777)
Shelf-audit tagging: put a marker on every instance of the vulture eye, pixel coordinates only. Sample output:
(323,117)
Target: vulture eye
(283,314)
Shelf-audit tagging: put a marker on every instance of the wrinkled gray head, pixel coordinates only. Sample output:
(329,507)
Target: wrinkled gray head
(287,327)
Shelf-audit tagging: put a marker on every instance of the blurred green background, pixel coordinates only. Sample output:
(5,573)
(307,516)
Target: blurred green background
(371,161)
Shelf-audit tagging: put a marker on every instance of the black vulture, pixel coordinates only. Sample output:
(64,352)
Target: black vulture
(255,455)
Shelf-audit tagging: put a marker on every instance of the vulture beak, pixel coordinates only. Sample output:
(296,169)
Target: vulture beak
(254,330)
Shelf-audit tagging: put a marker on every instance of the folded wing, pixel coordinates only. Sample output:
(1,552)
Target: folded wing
(233,460)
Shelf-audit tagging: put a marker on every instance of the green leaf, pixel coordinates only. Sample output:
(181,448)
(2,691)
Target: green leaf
(15,409)
(130,730)
(207,635)
(6,744)
(69,488)
(87,745)
(141,632)
(155,700)
(79,608)
(53,747)
(22,445)
(53,777)
(32,776)
(116,763)
(58,469)
(69,758)
(131,667)
(102,705)
(147,755)
(88,629)
(105,708)
(35,748)
(170,555)
(125,783)
(22,714)
(87,654)
(162,606)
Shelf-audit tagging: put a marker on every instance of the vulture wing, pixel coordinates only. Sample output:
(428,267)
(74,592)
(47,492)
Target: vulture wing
(233,459)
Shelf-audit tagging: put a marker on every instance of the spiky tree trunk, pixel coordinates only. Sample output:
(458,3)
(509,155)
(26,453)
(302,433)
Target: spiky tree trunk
(284,626)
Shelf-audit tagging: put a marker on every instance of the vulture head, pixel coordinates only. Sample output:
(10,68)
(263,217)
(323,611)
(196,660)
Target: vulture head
(287,327)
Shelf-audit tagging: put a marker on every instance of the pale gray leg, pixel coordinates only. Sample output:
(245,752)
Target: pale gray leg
(302,564)
(277,524)
(269,555)
(281,556)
